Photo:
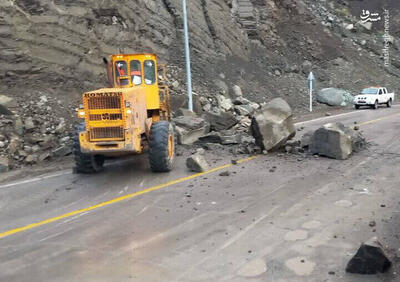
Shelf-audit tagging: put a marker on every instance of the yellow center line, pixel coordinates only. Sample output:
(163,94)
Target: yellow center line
(116,200)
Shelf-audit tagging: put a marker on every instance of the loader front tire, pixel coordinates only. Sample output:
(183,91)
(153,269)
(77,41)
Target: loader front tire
(161,146)
(85,163)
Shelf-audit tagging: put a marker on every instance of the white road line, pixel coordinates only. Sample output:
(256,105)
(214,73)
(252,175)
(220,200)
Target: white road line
(36,179)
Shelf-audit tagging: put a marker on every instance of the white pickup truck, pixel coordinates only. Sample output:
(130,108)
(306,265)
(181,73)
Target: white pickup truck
(373,97)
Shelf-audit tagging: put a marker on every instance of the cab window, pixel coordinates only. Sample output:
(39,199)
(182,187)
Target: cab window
(121,71)
(149,72)
(380,91)
(136,72)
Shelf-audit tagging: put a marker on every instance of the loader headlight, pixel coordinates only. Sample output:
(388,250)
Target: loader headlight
(128,111)
(81,113)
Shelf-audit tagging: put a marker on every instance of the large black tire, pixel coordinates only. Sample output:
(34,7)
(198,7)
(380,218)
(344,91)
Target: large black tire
(357,107)
(389,103)
(85,163)
(161,146)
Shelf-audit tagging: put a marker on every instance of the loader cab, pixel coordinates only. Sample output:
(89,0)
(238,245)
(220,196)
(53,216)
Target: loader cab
(135,70)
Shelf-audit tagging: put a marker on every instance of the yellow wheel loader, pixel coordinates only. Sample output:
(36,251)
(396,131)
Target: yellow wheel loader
(130,116)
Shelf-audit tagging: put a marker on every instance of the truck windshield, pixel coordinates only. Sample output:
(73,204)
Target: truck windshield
(370,91)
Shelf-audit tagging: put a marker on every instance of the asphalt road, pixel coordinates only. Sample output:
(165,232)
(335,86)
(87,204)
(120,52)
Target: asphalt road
(274,218)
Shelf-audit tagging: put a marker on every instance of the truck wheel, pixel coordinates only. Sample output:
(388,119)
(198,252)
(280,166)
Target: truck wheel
(357,107)
(389,103)
(85,163)
(375,106)
(161,146)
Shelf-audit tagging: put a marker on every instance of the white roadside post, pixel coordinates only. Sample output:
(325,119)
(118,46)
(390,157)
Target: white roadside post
(310,84)
(187,56)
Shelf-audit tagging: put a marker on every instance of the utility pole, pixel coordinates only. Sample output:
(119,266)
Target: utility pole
(187,56)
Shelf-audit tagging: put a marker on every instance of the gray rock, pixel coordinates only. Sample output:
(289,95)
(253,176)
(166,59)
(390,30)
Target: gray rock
(8,101)
(244,110)
(331,141)
(230,139)
(35,148)
(220,121)
(185,112)
(240,101)
(350,27)
(197,163)
(65,139)
(44,156)
(189,122)
(22,153)
(31,159)
(369,259)
(367,26)
(306,67)
(224,103)
(272,125)
(213,146)
(358,141)
(28,149)
(212,137)
(190,136)
(200,151)
(61,127)
(19,126)
(7,104)
(48,142)
(189,129)
(14,145)
(175,84)
(62,151)
(334,97)
(237,91)
(222,87)
(4,164)
(29,125)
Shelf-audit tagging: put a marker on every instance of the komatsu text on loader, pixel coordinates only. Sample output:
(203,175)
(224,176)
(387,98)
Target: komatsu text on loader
(130,116)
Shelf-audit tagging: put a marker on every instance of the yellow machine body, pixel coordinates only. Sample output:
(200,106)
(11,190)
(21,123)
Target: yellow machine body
(118,118)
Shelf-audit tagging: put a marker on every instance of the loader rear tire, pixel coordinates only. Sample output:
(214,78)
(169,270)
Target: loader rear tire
(85,163)
(161,146)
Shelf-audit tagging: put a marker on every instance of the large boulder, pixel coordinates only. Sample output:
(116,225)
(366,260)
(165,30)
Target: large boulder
(331,140)
(272,125)
(190,128)
(369,259)
(334,97)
